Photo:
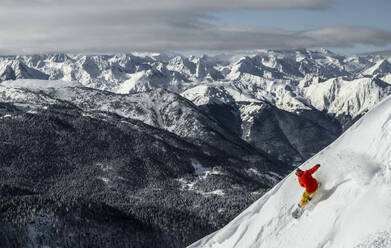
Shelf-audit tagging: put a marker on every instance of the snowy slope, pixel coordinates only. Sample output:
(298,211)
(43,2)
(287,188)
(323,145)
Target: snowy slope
(353,209)
(381,67)
(340,97)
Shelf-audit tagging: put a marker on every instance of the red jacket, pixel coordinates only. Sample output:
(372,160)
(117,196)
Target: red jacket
(307,181)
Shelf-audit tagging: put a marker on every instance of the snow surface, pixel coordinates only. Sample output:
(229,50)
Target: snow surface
(354,205)
(344,97)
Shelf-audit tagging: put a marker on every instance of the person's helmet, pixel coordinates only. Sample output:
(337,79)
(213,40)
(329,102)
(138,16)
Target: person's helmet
(298,171)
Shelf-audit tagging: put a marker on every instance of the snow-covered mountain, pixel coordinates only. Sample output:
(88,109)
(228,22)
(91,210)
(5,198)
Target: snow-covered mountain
(159,108)
(381,67)
(77,171)
(288,136)
(353,205)
(321,89)
(14,69)
(320,109)
(133,72)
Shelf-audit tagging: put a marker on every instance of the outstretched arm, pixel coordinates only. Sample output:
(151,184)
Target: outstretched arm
(313,169)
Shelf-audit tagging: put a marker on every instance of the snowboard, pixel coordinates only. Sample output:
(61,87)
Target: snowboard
(298,212)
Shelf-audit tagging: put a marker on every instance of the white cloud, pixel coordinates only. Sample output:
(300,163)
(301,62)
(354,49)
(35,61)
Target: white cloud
(39,26)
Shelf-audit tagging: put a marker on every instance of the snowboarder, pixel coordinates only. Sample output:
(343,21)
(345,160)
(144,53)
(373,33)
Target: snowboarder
(309,183)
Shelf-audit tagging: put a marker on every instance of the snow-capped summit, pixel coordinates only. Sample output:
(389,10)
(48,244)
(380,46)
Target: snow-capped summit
(181,64)
(216,93)
(381,67)
(353,205)
(340,97)
(15,69)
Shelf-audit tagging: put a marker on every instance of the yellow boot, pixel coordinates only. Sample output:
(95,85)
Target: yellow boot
(306,198)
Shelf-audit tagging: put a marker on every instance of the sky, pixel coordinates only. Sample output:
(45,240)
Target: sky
(116,26)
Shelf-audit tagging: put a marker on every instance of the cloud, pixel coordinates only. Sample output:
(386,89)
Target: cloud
(344,36)
(171,5)
(40,26)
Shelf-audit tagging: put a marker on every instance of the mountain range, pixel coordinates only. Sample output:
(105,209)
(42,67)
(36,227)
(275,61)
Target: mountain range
(318,91)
